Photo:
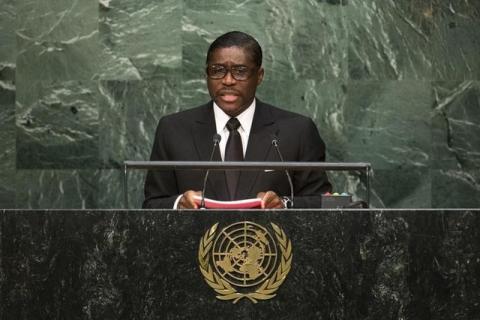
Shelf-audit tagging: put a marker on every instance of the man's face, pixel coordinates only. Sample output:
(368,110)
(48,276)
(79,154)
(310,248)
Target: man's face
(233,96)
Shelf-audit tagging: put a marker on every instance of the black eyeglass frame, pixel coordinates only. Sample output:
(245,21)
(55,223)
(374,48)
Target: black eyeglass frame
(249,71)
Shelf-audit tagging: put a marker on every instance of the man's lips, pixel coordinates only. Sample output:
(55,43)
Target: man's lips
(228,96)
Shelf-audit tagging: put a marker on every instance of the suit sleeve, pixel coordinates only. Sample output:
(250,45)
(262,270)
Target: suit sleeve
(160,189)
(310,184)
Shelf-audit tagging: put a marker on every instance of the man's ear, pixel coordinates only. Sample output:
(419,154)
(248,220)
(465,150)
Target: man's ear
(261,72)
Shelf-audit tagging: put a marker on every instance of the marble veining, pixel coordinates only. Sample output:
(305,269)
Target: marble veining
(456,124)
(153,26)
(395,83)
(389,39)
(51,34)
(57,125)
(7,144)
(394,264)
(455,41)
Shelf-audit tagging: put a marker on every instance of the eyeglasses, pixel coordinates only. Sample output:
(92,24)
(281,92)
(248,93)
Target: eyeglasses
(218,71)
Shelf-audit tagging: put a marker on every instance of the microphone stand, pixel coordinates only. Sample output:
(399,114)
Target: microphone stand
(216,141)
(275,144)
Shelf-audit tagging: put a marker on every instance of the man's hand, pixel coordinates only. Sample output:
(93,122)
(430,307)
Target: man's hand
(187,201)
(270,200)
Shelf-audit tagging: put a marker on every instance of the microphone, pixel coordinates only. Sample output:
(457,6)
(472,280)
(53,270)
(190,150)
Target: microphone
(275,144)
(216,141)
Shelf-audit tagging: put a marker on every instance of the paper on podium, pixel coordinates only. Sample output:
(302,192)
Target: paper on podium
(254,203)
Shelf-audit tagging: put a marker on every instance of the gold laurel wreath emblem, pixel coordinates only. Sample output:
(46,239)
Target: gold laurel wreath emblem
(225,290)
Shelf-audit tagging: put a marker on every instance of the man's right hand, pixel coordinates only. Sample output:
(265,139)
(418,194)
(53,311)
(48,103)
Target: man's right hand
(187,200)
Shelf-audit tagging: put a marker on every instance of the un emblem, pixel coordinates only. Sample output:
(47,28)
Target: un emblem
(244,260)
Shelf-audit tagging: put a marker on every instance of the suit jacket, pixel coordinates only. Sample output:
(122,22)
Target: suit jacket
(188,136)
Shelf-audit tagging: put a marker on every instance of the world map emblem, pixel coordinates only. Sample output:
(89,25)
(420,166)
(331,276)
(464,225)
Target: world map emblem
(245,260)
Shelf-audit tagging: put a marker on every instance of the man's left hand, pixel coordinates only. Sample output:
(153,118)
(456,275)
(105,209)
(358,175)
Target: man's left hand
(270,200)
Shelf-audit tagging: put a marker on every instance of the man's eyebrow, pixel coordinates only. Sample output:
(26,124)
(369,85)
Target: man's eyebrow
(223,65)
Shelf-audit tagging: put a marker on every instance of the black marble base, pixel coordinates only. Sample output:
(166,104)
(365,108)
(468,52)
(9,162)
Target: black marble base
(398,264)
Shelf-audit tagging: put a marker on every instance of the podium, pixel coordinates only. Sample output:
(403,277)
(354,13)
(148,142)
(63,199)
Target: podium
(139,264)
(207,166)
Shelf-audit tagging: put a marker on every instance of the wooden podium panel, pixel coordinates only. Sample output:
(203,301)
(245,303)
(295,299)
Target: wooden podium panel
(351,264)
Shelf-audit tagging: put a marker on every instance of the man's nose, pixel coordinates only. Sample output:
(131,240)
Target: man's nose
(229,79)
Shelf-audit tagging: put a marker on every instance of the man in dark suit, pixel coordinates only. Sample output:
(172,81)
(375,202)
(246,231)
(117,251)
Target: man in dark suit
(247,127)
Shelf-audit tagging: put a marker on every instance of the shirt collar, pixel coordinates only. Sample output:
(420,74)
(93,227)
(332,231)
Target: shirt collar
(245,118)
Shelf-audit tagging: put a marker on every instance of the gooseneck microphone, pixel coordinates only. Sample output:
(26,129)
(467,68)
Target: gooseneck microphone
(216,141)
(275,144)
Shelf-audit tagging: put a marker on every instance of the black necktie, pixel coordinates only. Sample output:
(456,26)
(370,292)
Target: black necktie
(233,152)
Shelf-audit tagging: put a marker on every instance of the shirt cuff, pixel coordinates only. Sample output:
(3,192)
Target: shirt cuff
(175,205)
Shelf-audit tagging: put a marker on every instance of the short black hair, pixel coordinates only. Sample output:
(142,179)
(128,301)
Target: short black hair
(238,39)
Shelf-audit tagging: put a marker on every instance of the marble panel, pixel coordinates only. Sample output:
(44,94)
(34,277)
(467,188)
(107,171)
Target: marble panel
(141,39)
(384,250)
(323,101)
(111,189)
(129,113)
(57,39)
(442,256)
(387,123)
(401,188)
(8,45)
(389,39)
(193,93)
(56,189)
(7,144)
(3,277)
(313,50)
(378,264)
(57,124)
(456,125)
(305,40)
(113,117)
(456,188)
(456,40)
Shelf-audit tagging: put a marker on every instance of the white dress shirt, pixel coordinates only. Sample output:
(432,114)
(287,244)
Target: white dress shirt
(245,119)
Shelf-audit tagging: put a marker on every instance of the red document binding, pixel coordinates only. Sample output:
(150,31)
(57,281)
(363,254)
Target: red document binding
(254,203)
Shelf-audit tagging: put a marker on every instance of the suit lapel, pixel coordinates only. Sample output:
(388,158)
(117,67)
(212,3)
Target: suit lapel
(203,131)
(259,143)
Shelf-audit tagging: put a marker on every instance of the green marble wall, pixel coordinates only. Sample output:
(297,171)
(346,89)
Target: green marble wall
(395,83)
